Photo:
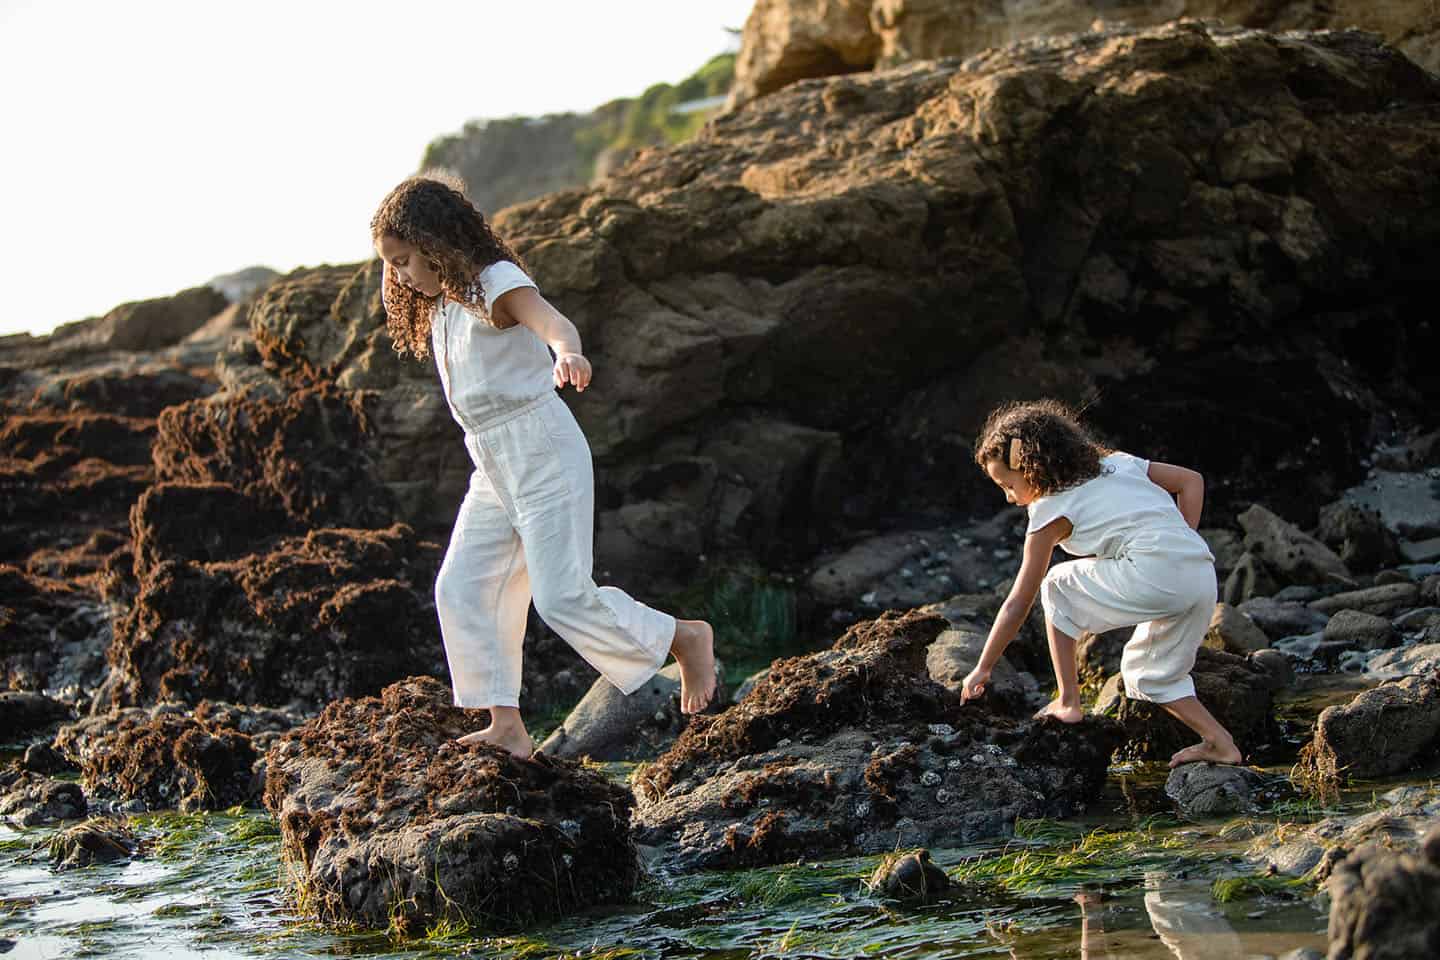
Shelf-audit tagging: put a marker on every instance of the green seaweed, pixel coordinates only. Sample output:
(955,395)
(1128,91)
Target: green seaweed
(1100,856)
(1231,889)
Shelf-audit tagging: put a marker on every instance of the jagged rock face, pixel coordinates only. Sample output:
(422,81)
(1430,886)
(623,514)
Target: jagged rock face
(387,820)
(789,40)
(799,318)
(333,613)
(77,419)
(856,749)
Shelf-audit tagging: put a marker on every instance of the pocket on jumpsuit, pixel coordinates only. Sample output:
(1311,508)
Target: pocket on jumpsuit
(540,477)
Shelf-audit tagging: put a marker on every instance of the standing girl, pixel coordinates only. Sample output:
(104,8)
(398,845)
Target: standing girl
(525,527)
(1144,565)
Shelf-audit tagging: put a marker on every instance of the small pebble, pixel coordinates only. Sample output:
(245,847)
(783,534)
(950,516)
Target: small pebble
(929,778)
(941,729)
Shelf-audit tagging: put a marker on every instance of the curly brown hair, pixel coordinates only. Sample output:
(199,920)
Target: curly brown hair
(431,212)
(1054,450)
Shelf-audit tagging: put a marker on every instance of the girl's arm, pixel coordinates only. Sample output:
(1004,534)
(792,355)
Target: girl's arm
(1033,565)
(524,305)
(1187,485)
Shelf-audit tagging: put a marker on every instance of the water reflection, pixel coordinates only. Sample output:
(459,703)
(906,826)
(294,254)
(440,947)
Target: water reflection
(1183,916)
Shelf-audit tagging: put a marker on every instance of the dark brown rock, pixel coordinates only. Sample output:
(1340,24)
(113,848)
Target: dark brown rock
(23,714)
(837,268)
(1364,542)
(166,758)
(857,749)
(311,619)
(1381,731)
(387,821)
(909,876)
(97,840)
(1237,690)
(31,799)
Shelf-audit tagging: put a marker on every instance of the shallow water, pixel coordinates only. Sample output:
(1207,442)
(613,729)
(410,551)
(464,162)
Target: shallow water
(211,886)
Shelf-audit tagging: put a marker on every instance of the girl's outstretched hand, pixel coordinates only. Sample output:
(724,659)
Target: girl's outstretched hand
(572,368)
(974,684)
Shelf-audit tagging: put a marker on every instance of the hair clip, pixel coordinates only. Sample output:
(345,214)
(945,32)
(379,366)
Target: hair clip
(1014,453)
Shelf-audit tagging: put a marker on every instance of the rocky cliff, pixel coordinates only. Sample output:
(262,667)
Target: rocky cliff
(789,40)
(1219,239)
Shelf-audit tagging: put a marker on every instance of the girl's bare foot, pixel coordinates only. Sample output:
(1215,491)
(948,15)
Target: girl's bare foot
(514,739)
(1225,752)
(1064,712)
(694,650)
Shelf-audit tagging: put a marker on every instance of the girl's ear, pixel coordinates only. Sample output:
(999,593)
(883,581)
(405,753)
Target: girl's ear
(1014,453)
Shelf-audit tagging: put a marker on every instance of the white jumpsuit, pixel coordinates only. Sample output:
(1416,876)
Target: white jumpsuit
(525,525)
(1143,567)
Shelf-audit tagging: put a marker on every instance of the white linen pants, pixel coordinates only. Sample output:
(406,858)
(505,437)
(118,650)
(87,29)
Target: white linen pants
(525,528)
(1169,600)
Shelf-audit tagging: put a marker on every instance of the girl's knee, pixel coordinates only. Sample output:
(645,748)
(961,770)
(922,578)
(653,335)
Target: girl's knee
(562,603)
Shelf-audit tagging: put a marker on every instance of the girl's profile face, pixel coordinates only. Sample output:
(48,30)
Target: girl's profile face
(409,265)
(1017,489)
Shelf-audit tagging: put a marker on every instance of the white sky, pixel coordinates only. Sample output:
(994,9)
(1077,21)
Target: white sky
(149,146)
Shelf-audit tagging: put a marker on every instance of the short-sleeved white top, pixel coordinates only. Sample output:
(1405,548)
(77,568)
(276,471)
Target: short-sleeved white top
(1121,510)
(485,371)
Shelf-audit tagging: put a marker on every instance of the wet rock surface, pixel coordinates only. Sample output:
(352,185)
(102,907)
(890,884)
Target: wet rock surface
(910,877)
(386,820)
(857,749)
(1211,789)
(97,840)
(1402,818)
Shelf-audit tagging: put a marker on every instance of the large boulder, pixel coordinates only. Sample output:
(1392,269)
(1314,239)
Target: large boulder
(1364,542)
(1232,631)
(1386,599)
(144,324)
(1380,732)
(1238,691)
(855,749)
(1292,555)
(1211,790)
(387,821)
(1283,618)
